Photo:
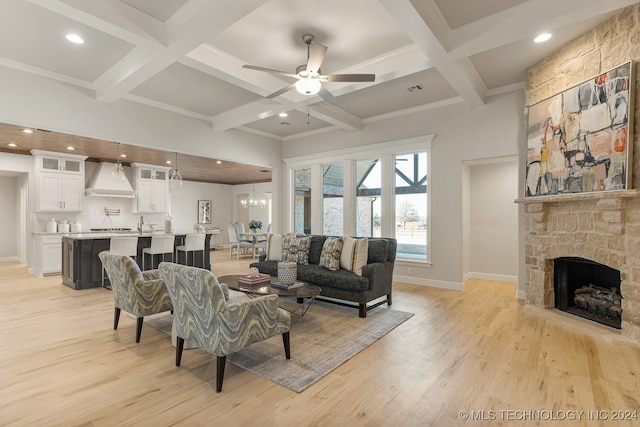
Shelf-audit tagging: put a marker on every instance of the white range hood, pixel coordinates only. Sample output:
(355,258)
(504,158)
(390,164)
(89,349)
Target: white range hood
(102,184)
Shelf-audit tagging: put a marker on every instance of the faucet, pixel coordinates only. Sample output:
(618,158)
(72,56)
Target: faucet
(140,224)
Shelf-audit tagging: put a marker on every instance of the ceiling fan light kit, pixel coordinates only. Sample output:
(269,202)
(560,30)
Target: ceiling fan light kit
(308,86)
(309,75)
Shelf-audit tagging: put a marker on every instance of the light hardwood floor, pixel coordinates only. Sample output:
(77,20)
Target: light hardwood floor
(61,363)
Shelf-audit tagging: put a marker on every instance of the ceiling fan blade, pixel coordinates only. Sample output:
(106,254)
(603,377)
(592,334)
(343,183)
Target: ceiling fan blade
(348,78)
(326,95)
(281,91)
(316,56)
(269,70)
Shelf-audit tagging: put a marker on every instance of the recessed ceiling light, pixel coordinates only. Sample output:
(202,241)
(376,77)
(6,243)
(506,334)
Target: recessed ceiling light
(218,162)
(74,38)
(542,38)
(27,131)
(123,155)
(283,115)
(12,145)
(168,162)
(70,148)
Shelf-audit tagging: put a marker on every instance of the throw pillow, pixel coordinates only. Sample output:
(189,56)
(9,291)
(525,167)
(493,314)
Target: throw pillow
(330,256)
(354,254)
(274,247)
(296,249)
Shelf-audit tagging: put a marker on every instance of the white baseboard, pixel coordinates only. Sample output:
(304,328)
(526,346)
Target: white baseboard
(428,282)
(520,294)
(10,259)
(493,277)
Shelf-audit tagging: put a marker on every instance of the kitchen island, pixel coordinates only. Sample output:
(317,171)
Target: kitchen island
(82,269)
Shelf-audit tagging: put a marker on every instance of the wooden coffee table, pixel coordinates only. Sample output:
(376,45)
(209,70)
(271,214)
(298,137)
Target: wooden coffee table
(304,294)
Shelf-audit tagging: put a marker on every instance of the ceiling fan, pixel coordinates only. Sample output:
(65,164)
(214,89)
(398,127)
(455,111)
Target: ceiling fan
(309,80)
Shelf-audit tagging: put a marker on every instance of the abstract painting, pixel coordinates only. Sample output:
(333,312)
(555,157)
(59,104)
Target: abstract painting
(580,140)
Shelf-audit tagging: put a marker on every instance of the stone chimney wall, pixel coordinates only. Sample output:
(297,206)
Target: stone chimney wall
(603,227)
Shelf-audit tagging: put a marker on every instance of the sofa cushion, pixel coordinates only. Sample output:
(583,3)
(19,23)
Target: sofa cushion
(315,250)
(330,256)
(296,249)
(354,254)
(340,279)
(378,249)
(274,247)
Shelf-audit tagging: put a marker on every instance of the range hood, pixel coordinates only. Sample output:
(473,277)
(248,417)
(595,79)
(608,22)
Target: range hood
(102,184)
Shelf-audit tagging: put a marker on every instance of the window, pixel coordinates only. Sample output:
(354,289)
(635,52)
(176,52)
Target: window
(302,200)
(346,190)
(368,198)
(332,199)
(411,205)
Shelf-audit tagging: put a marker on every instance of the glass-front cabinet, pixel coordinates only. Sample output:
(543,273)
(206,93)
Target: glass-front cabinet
(60,180)
(152,188)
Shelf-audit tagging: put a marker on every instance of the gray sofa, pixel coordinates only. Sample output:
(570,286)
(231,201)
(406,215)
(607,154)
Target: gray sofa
(343,285)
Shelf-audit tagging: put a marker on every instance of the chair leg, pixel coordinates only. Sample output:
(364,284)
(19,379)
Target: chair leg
(179,347)
(116,318)
(287,345)
(139,328)
(222,360)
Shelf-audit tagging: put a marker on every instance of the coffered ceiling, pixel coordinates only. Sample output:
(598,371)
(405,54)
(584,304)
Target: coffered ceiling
(186,56)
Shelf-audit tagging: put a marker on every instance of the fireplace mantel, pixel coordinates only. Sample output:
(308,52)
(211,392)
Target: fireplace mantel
(596,195)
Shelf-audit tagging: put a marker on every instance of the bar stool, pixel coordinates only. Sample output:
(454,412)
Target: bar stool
(192,243)
(160,245)
(122,246)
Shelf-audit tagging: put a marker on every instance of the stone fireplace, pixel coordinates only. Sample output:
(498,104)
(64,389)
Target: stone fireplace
(602,228)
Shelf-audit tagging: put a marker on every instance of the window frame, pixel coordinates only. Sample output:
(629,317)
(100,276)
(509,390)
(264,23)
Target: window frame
(386,152)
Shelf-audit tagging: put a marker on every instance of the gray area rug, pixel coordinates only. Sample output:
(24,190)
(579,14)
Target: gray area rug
(327,336)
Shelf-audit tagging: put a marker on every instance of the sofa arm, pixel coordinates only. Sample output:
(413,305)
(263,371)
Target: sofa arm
(380,275)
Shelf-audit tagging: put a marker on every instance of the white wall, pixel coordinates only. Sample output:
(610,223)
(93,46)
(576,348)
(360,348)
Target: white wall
(184,207)
(8,218)
(461,134)
(493,221)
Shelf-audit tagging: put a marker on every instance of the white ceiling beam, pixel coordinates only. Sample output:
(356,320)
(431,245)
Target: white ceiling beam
(113,18)
(510,25)
(226,67)
(333,115)
(192,25)
(414,17)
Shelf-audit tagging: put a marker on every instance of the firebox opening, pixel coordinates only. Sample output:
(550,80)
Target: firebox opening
(588,289)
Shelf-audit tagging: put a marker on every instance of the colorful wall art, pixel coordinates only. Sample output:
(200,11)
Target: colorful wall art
(580,140)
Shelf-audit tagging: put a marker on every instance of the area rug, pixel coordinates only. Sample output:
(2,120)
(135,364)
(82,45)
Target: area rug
(327,336)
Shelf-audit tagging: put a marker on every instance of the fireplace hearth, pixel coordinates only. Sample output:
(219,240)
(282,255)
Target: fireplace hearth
(588,289)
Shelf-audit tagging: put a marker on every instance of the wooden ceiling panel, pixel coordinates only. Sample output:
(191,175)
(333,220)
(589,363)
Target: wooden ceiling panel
(192,168)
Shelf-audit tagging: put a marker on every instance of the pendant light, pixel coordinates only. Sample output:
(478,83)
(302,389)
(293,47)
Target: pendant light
(117,174)
(252,201)
(176,177)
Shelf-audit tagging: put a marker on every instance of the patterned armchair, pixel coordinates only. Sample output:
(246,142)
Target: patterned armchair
(206,317)
(136,292)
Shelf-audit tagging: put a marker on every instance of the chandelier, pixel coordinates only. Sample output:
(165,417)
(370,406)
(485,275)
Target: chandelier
(117,174)
(252,201)
(176,177)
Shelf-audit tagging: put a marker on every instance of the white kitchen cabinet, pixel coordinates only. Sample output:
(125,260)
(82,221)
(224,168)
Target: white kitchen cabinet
(60,180)
(48,254)
(152,188)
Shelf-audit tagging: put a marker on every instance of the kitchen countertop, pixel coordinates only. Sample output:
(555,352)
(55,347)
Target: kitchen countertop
(107,235)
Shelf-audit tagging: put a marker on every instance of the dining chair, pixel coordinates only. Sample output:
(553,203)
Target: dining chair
(141,293)
(122,246)
(235,243)
(204,315)
(193,242)
(160,245)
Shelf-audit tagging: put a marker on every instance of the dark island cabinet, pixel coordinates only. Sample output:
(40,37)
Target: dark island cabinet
(82,268)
